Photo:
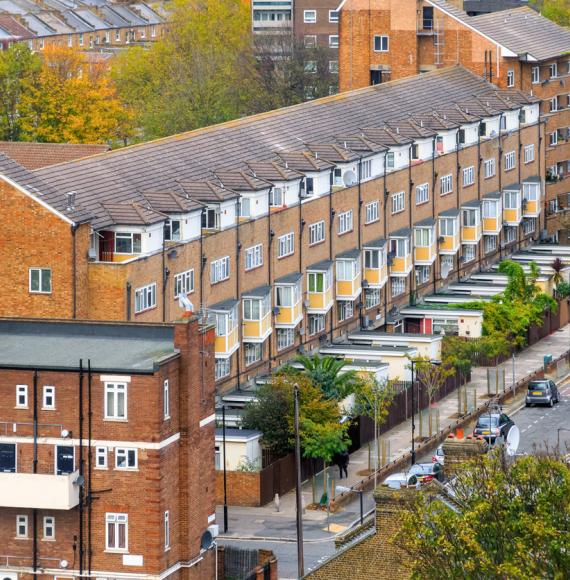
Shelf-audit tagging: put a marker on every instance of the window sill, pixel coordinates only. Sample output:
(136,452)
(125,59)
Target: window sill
(117,551)
(285,256)
(253,268)
(219,282)
(316,243)
(126,469)
(21,408)
(48,409)
(344,233)
(114,420)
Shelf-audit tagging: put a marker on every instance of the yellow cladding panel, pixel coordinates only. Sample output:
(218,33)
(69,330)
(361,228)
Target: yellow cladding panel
(233,338)
(532,208)
(328,296)
(469,233)
(251,329)
(344,288)
(423,254)
(491,225)
(123,257)
(511,215)
(400,265)
(285,315)
(221,345)
(449,243)
(372,275)
(317,300)
(265,325)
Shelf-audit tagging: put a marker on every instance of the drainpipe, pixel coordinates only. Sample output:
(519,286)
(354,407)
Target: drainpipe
(360,202)
(270,236)
(165,275)
(74,269)
(300,243)
(386,199)
(35,470)
(238,293)
(434,178)
(128,292)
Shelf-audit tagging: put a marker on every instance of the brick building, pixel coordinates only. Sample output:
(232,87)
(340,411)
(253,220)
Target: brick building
(106,450)
(287,228)
(513,48)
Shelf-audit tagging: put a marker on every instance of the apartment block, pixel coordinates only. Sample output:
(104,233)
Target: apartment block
(515,49)
(287,229)
(106,450)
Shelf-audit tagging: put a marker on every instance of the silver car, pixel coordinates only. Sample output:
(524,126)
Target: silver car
(542,392)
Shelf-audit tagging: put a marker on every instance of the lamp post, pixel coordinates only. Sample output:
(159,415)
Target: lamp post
(413,362)
(298,496)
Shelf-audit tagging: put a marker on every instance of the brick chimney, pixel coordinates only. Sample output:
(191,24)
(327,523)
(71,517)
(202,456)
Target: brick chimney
(458,452)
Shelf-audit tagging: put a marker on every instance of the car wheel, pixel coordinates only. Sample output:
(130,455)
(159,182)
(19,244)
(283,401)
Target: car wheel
(527,405)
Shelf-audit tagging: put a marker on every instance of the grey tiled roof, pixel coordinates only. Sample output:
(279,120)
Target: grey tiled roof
(272,171)
(207,191)
(169,202)
(132,214)
(241,181)
(332,152)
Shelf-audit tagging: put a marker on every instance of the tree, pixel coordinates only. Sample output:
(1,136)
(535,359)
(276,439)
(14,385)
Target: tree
(557,265)
(70,103)
(19,71)
(555,10)
(500,519)
(202,73)
(326,372)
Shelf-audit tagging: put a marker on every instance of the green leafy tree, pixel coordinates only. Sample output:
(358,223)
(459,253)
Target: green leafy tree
(327,372)
(556,10)
(503,519)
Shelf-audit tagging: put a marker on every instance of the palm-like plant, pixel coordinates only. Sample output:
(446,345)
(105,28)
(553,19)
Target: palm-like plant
(557,266)
(327,373)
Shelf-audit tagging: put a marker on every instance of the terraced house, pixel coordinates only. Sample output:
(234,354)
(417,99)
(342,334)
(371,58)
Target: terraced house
(514,48)
(288,228)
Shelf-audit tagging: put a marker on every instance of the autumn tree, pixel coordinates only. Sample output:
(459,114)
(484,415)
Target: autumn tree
(497,519)
(556,10)
(72,103)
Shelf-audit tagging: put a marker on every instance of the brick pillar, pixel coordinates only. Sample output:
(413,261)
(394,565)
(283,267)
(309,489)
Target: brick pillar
(458,452)
(273,572)
(221,563)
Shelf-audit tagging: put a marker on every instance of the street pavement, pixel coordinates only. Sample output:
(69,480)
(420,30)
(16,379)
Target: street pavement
(266,528)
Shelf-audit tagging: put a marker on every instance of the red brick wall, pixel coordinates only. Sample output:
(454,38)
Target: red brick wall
(243,488)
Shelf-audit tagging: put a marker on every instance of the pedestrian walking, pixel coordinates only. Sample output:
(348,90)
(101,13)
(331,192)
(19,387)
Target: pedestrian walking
(344,461)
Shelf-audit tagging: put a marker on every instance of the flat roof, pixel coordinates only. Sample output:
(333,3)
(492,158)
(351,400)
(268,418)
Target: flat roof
(232,433)
(124,348)
(397,336)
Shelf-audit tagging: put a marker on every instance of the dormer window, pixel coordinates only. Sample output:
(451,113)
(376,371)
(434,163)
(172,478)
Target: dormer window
(211,219)
(390,161)
(244,207)
(461,136)
(172,229)
(309,186)
(276,198)
(127,243)
(415,151)
(337,176)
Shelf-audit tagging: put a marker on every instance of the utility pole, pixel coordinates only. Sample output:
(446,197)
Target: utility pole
(225,475)
(514,382)
(413,454)
(300,558)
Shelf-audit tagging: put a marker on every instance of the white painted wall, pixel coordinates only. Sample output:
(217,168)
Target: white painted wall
(227,214)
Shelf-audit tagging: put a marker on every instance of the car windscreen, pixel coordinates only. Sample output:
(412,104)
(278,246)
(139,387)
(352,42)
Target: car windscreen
(485,421)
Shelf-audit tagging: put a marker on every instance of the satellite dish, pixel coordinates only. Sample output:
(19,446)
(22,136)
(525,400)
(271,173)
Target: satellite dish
(206,540)
(513,440)
(349,178)
(184,303)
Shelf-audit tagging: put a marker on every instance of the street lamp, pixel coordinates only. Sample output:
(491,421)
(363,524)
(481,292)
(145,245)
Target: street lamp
(414,361)
(360,492)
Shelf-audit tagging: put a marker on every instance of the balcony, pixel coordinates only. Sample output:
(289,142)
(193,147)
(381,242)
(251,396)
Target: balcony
(320,292)
(512,208)
(471,229)
(225,315)
(257,314)
(531,198)
(400,256)
(425,243)
(448,232)
(288,301)
(375,263)
(39,491)
(348,275)
(491,209)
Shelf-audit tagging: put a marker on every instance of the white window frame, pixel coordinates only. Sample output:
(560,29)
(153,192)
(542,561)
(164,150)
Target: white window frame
(384,43)
(447,184)
(129,455)
(510,161)
(372,212)
(41,273)
(423,237)
(166,399)
(253,352)
(510,234)
(489,244)
(316,323)
(317,233)
(333,16)
(49,524)
(422,193)
(101,454)
(553,104)
(529,225)
(309,16)
(553,68)
(423,274)
(333,69)
(184,283)
(168,235)
(535,75)
(553,141)
(285,338)
(529,153)
(490,209)
(276,197)
(345,310)
(444,226)
(254,257)
(398,202)
(490,168)
(365,169)
(166,530)
(390,160)
(468,176)
(22,391)
(511,78)
(22,522)
(468,252)
(116,390)
(286,245)
(116,520)
(397,286)
(345,222)
(310,40)
(145,298)
(220,270)
(48,392)
(222,368)
(332,42)
(372,297)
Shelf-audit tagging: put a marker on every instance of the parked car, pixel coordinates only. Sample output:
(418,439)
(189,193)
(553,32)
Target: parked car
(493,425)
(439,455)
(427,471)
(542,392)
(398,480)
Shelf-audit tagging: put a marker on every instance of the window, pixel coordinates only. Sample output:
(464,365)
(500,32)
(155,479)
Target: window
(49,528)
(244,207)
(64,459)
(7,458)
(316,233)
(22,396)
(145,298)
(153,31)
(489,244)
(309,16)
(126,458)
(398,286)
(220,270)
(40,280)
(510,78)
(345,222)
(167,530)
(337,176)
(553,104)
(468,176)
(503,124)
(366,169)
(372,259)
(535,75)
(172,230)
(398,202)
(276,197)
(531,191)
(117,35)
(381,43)
(390,161)
(285,338)
(184,283)
(211,219)
(333,40)
(316,323)
(115,400)
(422,193)
(415,151)
(482,129)
(423,237)
(48,398)
(81,39)
(253,352)
(490,168)
(422,274)
(309,186)
(166,399)
(311,66)
(446,184)
(254,257)
(127,243)
(400,247)
(447,266)
(510,234)
(529,153)
(286,245)
(529,226)
(372,297)
(333,16)
(333,68)
(310,40)
(553,138)
(101,457)
(461,136)
(345,310)
(347,270)
(510,161)
(468,252)
(372,212)
(70,40)
(222,368)
(512,199)
(553,70)
(255,309)
(319,281)
(470,218)
(117,532)
(490,209)
(447,227)
(21,526)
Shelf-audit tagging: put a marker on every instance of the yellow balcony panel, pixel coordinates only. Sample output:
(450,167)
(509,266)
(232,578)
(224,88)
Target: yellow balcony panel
(348,289)
(450,245)
(226,345)
(401,265)
(512,216)
(425,255)
(320,302)
(289,315)
(532,209)
(373,276)
(257,330)
(471,233)
(491,225)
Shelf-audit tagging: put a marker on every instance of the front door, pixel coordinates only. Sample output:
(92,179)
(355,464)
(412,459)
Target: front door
(64,463)
(7,457)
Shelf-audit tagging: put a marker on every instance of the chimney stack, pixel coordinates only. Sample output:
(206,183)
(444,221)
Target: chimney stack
(459,451)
